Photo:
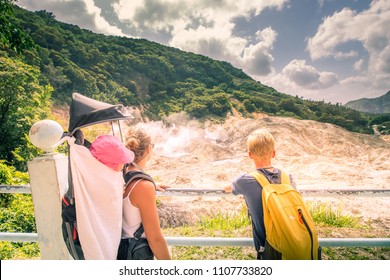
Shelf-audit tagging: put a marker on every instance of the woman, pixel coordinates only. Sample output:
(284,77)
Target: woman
(140,213)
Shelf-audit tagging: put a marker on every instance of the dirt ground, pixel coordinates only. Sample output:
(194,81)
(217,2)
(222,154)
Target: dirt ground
(188,154)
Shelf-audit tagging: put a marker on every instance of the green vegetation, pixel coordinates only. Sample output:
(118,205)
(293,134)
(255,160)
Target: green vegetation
(382,123)
(222,224)
(356,253)
(324,214)
(23,101)
(16,215)
(11,36)
(23,98)
(226,221)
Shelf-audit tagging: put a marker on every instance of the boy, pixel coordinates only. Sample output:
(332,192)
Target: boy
(261,149)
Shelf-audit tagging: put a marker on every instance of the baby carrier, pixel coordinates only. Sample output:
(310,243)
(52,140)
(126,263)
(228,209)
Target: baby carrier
(92,207)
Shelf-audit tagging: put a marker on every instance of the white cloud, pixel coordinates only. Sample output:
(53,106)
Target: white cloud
(257,58)
(298,78)
(370,28)
(343,91)
(306,76)
(384,61)
(162,13)
(215,43)
(335,30)
(153,15)
(359,65)
(83,13)
(101,24)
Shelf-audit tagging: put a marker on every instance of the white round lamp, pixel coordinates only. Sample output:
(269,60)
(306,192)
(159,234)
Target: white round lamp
(45,134)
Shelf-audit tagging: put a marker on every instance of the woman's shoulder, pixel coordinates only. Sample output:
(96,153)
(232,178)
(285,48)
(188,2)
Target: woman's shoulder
(142,186)
(137,180)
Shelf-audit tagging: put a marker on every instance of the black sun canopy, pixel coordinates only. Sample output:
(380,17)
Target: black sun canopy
(85,111)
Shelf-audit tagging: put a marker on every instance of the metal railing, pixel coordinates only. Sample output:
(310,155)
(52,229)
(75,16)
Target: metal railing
(15,189)
(217,241)
(190,191)
(225,241)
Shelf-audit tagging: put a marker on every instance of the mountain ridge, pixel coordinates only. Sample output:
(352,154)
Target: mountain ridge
(377,105)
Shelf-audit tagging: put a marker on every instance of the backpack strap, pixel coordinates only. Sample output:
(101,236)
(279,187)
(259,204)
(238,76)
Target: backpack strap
(138,233)
(260,178)
(285,178)
(263,181)
(267,186)
(133,175)
(130,177)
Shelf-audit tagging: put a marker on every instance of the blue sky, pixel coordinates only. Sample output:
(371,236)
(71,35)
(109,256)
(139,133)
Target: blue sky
(331,50)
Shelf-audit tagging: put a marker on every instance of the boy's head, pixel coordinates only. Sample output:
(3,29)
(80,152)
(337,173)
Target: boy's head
(261,144)
(110,151)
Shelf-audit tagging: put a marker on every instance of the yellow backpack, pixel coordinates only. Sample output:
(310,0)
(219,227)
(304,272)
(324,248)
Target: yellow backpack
(288,225)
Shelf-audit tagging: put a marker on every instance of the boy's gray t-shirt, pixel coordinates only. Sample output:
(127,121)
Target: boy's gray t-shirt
(247,186)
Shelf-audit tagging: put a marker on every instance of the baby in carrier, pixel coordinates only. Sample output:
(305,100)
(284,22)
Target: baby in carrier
(110,151)
(98,189)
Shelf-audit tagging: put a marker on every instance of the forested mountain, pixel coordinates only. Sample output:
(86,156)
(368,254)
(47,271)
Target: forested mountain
(158,79)
(379,105)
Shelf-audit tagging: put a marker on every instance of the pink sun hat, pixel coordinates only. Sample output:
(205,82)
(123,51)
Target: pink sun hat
(110,151)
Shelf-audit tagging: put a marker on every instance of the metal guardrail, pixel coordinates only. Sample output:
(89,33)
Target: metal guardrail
(15,189)
(322,192)
(18,237)
(225,241)
(188,191)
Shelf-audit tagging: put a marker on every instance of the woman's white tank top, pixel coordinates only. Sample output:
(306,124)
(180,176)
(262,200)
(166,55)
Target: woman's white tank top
(131,216)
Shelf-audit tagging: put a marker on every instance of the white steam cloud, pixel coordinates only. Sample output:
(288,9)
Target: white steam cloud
(178,135)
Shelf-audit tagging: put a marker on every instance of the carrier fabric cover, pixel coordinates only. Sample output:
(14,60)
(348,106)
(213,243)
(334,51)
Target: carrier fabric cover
(85,111)
(98,194)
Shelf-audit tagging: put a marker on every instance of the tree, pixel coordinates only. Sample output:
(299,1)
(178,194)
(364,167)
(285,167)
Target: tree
(22,102)
(290,105)
(12,36)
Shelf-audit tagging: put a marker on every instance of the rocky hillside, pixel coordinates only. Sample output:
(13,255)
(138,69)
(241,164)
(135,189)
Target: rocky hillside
(319,156)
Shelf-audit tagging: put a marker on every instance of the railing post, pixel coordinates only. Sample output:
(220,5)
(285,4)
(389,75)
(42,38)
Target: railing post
(49,181)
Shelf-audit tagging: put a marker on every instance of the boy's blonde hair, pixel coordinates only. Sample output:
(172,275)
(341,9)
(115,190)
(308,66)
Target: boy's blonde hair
(261,144)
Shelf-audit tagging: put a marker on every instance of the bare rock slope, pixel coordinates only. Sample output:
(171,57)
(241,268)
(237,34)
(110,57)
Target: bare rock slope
(188,154)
